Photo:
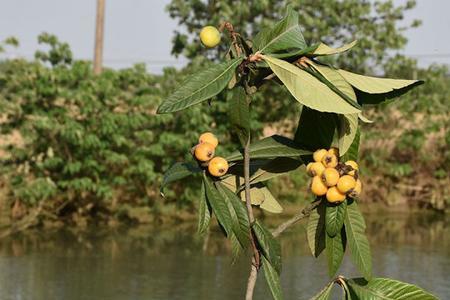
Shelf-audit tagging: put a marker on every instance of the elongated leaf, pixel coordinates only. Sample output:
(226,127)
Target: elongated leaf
(272,279)
(270,204)
(219,206)
(315,129)
(357,241)
(204,212)
(200,86)
(315,230)
(178,171)
(236,183)
(347,129)
(238,213)
(295,53)
(275,167)
(386,289)
(236,248)
(239,114)
(324,294)
(335,248)
(324,49)
(307,89)
(334,218)
(271,147)
(269,245)
(284,35)
(353,151)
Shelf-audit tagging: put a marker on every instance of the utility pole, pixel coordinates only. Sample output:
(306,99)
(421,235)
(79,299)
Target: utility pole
(99,26)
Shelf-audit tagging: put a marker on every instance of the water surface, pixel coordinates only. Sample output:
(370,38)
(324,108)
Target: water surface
(173,263)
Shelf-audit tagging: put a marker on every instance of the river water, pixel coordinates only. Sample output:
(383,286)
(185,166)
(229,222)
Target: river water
(155,263)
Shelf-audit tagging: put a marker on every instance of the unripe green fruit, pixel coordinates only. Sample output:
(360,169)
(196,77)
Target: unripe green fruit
(204,152)
(346,183)
(318,188)
(218,166)
(319,154)
(210,36)
(330,176)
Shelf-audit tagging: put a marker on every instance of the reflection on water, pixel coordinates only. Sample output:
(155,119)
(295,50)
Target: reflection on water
(169,263)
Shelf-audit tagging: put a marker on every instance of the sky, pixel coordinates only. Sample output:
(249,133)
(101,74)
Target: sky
(141,30)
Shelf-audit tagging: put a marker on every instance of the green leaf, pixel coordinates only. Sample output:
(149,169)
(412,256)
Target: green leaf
(315,230)
(373,90)
(324,49)
(201,86)
(347,129)
(307,89)
(269,245)
(335,248)
(284,35)
(178,171)
(236,183)
(204,212)
(272,279)
(315,129)
(219,206)
(353,151)
(324,294)
(239,114)
(358,243)
(295,53)
(334,218)
(270,204)
(275,167)
(387,289)
(238,213)
(271,147)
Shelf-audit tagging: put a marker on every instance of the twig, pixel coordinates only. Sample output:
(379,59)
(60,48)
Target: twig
(305,212)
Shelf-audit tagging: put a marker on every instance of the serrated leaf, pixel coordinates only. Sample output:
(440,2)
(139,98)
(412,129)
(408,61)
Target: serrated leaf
(335,249)
(348,126)
(353,151)
(275,167)
(178,171)
(284,35)
(307,89)
(270,204)
(270,247)
(236,248)
(236,183)
(219,206)
(200,86)
(239,115)
(315,129)
(240,224)
(271,147)
(315,230)
(293,53)
(357,241)
(324,49)
(387,289)
(324,294)
(334,218)
(204,212)
(272,279)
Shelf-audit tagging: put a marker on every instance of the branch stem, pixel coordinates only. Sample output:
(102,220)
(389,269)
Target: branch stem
(305,212)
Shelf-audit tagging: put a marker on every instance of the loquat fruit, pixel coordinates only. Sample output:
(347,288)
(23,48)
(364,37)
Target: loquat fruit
(334,150)
(346,183)
(315,169)
(330,176)
(218,166)
(334,196)
(330,160)
(319,154)
(354,165)
(318,188)
(204,151)
(357,189)
(210,36)
(208,137)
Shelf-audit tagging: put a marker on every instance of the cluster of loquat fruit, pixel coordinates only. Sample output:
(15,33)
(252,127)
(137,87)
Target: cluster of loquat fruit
(333,179)
(204,153)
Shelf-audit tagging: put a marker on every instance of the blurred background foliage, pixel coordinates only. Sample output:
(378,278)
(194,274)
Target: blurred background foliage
(83,147)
